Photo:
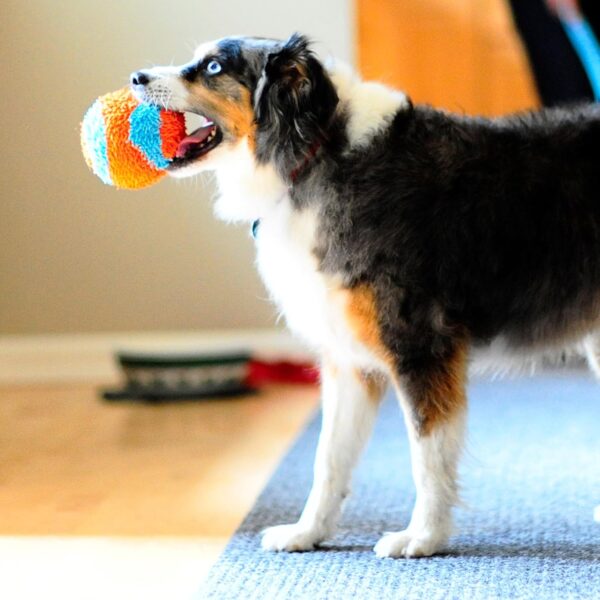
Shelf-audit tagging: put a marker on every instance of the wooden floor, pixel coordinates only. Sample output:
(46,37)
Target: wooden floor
(128,491)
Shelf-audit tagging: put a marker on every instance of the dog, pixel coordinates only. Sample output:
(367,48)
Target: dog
(400,241)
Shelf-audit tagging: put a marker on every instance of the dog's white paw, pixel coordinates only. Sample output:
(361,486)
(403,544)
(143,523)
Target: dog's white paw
(290,538)
(408,545)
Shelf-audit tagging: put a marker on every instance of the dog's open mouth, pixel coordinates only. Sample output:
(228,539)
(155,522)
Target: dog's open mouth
(199,142)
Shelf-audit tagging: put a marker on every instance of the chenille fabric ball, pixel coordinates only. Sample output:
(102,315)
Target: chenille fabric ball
(129,144)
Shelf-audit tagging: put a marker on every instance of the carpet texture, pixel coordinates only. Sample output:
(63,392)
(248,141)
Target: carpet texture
(530,477)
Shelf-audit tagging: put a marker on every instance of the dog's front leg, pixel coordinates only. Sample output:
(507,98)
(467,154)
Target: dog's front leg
(434,406)
(350,400)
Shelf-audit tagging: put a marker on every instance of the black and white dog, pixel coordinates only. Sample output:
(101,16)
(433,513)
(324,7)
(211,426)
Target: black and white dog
(400,241)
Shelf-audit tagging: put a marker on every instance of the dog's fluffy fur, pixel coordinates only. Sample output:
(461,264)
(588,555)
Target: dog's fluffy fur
(400,241)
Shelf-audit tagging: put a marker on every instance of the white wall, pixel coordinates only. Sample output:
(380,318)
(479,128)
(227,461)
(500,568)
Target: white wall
(76,255)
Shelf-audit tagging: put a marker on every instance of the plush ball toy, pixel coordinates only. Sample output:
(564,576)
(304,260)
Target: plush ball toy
(129,144)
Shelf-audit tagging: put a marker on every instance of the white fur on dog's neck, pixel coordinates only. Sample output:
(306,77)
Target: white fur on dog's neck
(248,191)
(370,106)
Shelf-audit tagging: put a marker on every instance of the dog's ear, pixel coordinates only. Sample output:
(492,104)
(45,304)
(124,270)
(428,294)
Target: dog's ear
(296,98)
(288,66)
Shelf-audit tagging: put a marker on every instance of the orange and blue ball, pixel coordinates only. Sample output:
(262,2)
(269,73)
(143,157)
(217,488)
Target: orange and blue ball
(129,144)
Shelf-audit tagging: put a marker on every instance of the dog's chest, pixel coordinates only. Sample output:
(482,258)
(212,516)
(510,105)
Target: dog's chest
(284,241)
(310,301)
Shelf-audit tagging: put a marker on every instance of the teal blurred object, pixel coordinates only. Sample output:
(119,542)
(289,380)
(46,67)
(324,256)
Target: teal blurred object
(582,38)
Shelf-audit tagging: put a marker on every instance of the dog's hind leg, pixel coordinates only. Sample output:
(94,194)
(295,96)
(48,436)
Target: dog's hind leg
(592,354)
(434,405)
(591,345)
(350,399)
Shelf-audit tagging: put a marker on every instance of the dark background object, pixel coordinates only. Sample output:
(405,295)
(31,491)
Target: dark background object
(559,75)
(170,376)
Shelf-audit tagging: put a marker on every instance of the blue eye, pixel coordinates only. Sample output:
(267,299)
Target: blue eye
(213,67)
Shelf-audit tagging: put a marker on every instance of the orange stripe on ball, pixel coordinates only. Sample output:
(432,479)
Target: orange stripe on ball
(127,165)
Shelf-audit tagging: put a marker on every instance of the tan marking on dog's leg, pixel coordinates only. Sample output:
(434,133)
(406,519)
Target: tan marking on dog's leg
(438,392)
(349,412)
(374,383)
(363,320)
(434,406)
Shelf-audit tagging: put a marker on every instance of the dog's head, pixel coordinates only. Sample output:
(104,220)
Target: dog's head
(274,96)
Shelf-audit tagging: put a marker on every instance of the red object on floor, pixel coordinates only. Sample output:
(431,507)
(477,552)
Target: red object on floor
(283,371)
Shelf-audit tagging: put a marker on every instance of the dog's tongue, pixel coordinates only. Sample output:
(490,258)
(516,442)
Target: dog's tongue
(194,139)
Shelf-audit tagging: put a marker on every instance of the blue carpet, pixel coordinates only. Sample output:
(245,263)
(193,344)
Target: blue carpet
(531,477)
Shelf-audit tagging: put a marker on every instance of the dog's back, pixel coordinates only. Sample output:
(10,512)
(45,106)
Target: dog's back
(492,224)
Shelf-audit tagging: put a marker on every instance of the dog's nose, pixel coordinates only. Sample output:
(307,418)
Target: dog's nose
(140,78)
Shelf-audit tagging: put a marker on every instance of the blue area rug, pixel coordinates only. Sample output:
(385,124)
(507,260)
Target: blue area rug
(530,476)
